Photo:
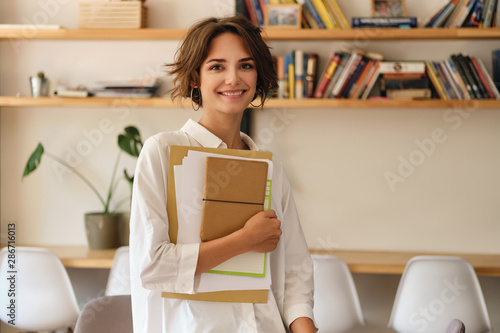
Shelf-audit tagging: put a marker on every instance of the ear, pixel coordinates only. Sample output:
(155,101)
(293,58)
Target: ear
(194,85)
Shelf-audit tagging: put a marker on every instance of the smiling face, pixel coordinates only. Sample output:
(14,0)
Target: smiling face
(228,77)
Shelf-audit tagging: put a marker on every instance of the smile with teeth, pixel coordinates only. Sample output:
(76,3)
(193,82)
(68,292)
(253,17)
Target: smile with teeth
(233,93)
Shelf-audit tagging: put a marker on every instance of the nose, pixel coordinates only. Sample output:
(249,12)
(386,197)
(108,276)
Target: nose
(232,77)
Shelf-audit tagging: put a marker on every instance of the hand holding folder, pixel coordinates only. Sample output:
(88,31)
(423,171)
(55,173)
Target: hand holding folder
(234,192)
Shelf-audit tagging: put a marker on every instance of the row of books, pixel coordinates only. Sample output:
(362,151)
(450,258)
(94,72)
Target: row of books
(356,74)
(347,74)
(466,13)
(315,14)
(461,77)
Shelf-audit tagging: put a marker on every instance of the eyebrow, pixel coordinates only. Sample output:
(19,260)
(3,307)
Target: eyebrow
(224,60)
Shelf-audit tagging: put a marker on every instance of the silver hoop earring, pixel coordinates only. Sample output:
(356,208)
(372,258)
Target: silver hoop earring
(192,103)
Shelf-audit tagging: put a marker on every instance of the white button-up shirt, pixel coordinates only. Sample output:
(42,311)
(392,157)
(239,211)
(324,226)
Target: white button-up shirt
(158,265)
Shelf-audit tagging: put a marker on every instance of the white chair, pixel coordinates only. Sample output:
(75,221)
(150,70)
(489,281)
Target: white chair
(119,275)
(44,297)
(433,291)
(110,314)
(336,302)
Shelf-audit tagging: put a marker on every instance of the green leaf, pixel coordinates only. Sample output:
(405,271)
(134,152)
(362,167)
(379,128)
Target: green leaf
(130,179)
(34,160)
(130,141)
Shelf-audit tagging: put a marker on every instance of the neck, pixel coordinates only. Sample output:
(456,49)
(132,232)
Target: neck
(227,128)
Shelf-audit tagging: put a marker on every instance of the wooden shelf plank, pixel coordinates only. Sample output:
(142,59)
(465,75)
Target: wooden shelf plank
(93,34)
(380,262)
(271,34)
(313,103)
(364,262)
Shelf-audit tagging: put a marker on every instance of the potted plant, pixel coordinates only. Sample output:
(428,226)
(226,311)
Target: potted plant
(105,229)
(39,85)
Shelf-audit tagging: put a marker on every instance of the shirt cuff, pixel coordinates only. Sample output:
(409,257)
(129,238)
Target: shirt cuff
(185,282)
(297,311)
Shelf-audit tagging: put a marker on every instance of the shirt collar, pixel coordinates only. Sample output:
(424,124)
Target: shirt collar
(207,139)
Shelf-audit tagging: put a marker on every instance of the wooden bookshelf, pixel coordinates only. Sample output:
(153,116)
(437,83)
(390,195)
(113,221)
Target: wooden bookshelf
(276,34)
(364,262)
(157,102)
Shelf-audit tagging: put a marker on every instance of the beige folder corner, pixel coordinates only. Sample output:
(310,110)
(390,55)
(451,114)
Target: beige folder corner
(177,153)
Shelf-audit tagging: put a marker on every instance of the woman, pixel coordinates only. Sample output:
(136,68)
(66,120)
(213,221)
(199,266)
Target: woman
(222,65)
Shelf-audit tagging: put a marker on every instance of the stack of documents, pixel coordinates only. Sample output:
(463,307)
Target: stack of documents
(207,187)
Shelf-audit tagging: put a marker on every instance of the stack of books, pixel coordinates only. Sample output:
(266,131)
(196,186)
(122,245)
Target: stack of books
(140,88)
(316,14)
(461,77)
(349,74)
(466,13)
(495,59)
(404,80)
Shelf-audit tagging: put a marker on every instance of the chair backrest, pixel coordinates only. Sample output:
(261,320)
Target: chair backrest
(119,275)
(110,314)
(433,291)
(41,290)
(336,302)
(456,326)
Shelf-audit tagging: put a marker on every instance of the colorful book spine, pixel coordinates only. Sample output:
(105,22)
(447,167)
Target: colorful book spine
(339,15)
(494,88)
(433,77)
(323,14)
(311,73)
(495,59)
(384,22)
(465,78)
(314,14)
(372,79)
(282,84)
(251,12)
(475,76)
(482,76)
(326,77)
(299,74)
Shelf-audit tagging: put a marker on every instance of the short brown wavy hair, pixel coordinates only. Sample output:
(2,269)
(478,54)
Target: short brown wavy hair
(194,49)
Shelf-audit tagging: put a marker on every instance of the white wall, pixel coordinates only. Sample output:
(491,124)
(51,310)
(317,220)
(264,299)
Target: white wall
(336,159)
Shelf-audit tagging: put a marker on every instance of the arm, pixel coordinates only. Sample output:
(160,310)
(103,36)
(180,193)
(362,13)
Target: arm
(261,233)
(303,325)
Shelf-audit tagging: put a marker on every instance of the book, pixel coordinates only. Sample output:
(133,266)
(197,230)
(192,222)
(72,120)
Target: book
(299,74)
(327,75)
(344,57)
(457,84)
(492,85)
(372,78)
(282,83)
(433,77)
(488,10)
(459,79)
(71,93)
(251,12)
(474,17)
(352,80)
(314,12)
(384,22)
(475,76)
(311,73)
(362,80)
(453,14)
(461,16)
(409,93)
(227,208)
(338,14)
(402,67)
(484,77)
(495,59)
(323,14)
